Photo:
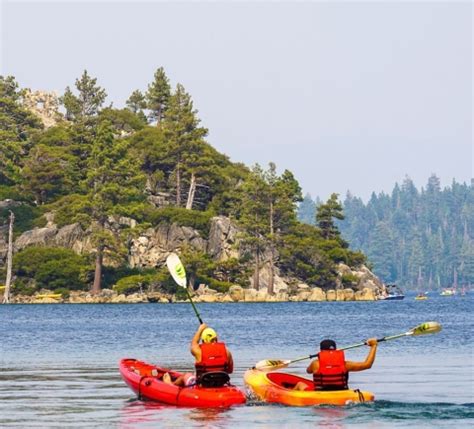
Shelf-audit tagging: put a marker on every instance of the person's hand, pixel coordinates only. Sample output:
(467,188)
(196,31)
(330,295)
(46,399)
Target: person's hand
(371,342)
(202,326)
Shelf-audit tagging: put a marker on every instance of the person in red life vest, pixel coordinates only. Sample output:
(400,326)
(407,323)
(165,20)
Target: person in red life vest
(210,356)
(331,369)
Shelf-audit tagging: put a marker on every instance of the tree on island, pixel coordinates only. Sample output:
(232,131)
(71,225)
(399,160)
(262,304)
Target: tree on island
(325,215)
(184,136)
(87,102)
(18,126)
(157,96)
(268,210)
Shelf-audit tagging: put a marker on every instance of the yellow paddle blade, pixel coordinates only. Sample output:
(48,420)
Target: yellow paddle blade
(426,328)
(270,364)
(176,269)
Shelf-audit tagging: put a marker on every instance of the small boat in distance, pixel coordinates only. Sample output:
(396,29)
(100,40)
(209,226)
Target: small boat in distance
(393,293)
(421,296)
(449,291)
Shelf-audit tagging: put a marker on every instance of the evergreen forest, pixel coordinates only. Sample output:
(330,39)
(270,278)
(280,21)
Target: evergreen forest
(421,239)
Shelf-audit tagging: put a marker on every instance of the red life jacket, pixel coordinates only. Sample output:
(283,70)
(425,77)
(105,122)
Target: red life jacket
(332,373)
(213,358)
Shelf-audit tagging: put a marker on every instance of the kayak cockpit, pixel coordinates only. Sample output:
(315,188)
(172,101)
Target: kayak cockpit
(288,381)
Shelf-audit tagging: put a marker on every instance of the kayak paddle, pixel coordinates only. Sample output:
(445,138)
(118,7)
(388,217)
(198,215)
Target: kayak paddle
(178,273)
(423,329)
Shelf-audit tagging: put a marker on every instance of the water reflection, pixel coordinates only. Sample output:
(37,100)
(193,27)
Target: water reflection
(148,413)
(136,412)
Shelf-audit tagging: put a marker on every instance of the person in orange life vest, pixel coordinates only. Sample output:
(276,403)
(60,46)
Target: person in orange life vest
(210,355)
(331,369)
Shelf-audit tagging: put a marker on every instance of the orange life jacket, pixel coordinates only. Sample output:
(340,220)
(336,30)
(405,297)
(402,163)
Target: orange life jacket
(332,373)
(213,358)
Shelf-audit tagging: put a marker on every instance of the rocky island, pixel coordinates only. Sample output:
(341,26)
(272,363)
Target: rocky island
(97,198)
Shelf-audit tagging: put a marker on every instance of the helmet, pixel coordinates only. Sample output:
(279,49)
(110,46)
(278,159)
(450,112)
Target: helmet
(208,335)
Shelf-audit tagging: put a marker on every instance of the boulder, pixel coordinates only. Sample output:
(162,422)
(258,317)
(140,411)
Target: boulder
(152,247)
(35,237)
(119,299)
(263,277)
(348,295)
(281,297)
(207,298)
(331,295)
(227,298)
(303,295)
(262,294)
(250,295)
(237,293)
(223,243)
(317,294)
(73,237)
(365,294)
(340,295)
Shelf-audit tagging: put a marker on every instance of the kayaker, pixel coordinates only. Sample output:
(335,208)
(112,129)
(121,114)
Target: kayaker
(331,369)
(210,355)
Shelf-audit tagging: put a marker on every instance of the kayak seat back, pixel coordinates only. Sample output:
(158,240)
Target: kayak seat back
(213,379)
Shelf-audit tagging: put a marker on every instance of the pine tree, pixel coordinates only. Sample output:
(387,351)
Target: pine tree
(307,210)
(112,179)
(158,96)
(18,125)
(183,134)
(87,102)
(325,216)
(137,103)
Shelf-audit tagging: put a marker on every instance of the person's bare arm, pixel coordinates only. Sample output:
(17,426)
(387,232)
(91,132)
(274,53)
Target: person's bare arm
(313,367)
(361,366)
(195,349)
(230,362)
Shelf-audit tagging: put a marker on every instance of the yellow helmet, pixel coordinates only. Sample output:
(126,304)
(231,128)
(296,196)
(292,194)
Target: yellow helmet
(208,335)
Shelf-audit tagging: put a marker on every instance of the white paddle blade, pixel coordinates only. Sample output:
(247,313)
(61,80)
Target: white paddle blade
(271,364)
(176,269)
(427,328)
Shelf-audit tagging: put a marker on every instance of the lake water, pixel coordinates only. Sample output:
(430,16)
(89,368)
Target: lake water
(59,363)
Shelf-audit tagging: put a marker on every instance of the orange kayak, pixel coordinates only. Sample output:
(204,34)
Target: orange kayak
(277,387)
(146,381)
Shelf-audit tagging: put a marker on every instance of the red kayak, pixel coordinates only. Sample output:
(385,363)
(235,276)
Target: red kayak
(146,381)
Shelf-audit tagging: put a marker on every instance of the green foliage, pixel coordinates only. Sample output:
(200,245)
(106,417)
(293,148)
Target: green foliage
(303,256)
(325,215)
(122,120)
(157,96)
(52,268)
(168,215)
(419,239)
(23,286)
(65,293)
(349,280)
(11,193)
(307,210)
(88,101)
(136,102)
(17,126)
(26,217)
(135,283)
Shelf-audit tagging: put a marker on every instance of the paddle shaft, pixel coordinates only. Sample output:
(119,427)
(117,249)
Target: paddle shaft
(380,340)
(194,307)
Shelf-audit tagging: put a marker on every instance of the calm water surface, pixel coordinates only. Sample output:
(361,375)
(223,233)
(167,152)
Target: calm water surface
(58,363)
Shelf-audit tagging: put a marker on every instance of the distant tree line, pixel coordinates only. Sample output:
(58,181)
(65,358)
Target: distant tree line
(149,161)
(422,239)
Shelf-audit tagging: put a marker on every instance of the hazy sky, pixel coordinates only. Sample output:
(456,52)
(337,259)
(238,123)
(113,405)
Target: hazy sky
(347,95)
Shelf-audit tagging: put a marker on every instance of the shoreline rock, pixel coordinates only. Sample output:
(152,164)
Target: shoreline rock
(235,294)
